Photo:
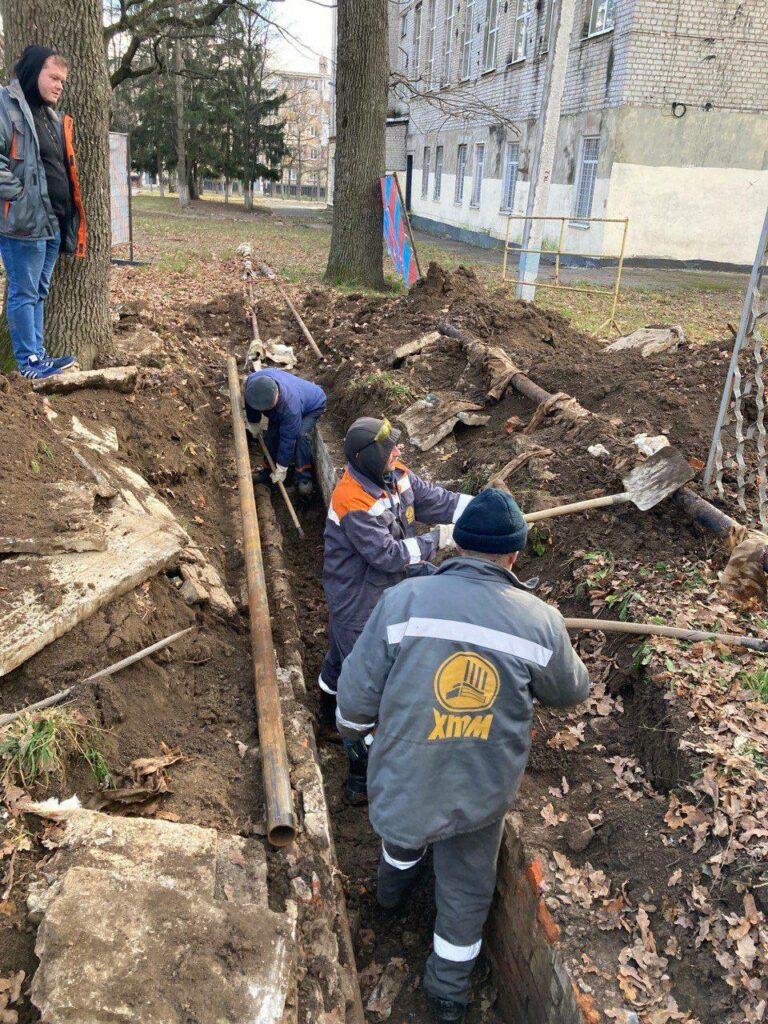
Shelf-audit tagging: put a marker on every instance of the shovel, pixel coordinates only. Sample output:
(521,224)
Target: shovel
(652,629)
(645,486)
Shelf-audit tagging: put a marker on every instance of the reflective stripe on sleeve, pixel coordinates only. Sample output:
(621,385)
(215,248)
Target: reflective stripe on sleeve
(464,500)
(357,726)
(468,633)
(332,516)
(401,865)
(403,483)
(377,508)
(325,687)
(414,550)
(457,954)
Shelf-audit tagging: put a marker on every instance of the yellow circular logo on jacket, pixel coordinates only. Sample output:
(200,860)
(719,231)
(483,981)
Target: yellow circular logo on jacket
(410,514)
(466,682)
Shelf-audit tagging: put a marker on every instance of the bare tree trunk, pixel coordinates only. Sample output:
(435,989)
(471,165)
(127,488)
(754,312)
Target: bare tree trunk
(77,317)
(356,254)
(182,174)
(160,178)
(247,195)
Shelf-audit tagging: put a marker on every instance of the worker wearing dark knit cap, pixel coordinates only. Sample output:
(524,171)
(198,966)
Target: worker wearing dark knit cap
(41,213)
(446,671)
(285,408)
(370,543)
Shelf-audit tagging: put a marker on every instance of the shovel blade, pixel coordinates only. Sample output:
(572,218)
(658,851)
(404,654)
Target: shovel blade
(662,474)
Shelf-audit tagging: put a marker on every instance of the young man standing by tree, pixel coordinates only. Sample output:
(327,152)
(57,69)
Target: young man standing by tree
(41,212)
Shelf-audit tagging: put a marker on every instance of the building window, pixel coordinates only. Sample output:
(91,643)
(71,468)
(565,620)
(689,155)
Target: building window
(511,162)
(313,154)
(416,40)
(602,17)
(547,25)
(477,178)
(404,43)
(520,33)
(585,189)
(450,17)
(438,172)
(425,174)
(404,25)
(491,35)
(461,167)
(469,26)
(431,33)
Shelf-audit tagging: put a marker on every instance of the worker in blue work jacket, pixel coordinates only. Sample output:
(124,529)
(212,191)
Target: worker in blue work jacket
(370,544)
(446,671)
(285,409)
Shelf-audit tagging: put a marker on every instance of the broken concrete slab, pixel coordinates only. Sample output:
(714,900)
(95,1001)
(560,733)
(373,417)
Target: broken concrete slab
(429,420)
(651,341)
(63,520)
(412,348)
(138,546)
(116,948)
(115,378)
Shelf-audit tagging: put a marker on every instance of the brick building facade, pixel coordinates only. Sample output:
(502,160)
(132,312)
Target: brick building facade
(664,120)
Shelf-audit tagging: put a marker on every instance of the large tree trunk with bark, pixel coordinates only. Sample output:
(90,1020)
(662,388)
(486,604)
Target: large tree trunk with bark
(356,255)
(77,317)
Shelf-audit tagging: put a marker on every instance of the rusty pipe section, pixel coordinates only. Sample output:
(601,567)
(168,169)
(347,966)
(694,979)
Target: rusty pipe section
(693,505)
(281,820)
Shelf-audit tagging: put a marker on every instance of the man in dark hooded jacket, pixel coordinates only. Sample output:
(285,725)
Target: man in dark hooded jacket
(370,544)
(41,213)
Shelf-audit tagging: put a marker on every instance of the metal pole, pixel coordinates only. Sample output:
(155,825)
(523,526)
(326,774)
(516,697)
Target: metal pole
(741,337)
(559,249)
(281,821)
(618,277)
(506,251)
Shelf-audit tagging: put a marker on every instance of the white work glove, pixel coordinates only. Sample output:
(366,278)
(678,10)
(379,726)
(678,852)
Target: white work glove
(255,429)
(279,475)
(445,536)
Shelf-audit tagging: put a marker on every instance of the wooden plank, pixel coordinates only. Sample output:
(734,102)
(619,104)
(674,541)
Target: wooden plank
(116,378)
(138,547)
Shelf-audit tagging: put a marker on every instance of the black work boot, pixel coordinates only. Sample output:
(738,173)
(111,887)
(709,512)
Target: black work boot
(327,719)
(356,789)
(445,1011)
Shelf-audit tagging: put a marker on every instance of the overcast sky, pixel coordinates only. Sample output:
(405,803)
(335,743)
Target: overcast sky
(310,24)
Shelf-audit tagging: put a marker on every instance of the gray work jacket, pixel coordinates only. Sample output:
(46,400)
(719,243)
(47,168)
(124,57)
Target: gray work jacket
(446,670)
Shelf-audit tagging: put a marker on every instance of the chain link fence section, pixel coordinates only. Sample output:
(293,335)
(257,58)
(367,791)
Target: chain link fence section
(739,442)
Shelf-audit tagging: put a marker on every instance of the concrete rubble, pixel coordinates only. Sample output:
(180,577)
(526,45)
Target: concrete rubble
(152,920)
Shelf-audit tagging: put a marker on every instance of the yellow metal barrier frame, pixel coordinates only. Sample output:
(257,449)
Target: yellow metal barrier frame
(611,323)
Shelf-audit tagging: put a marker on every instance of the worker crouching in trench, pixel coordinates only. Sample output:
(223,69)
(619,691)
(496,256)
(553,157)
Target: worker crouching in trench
(446,671)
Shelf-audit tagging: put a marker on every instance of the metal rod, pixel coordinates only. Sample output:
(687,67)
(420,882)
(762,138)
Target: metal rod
(559,252)
(267,271)
(281,821)
(568,252)
(617,286)
(651,629)
(572,219)
(281,488)
(564,287)
(57,698)
(506,251)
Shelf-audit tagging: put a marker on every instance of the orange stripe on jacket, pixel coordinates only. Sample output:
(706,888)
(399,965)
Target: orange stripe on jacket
(350,496)
(69,150)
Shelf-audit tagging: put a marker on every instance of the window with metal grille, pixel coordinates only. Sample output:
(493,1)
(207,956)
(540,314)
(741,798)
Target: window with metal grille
(431,33)
(438,173)
(416,55)
(511,162)
(520,33)
(450,17)
(469,27)
(585,189)
(477,177)
(461,167)
(425,174)
(490,40)
(602,17)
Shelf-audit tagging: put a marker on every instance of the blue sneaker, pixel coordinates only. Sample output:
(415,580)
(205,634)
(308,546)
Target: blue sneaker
(37,369)
(60,362)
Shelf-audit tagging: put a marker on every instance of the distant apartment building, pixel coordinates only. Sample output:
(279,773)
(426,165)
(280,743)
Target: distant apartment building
(306,113)
(664,120)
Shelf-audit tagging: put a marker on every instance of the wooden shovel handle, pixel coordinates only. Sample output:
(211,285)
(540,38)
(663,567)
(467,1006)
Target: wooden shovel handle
(651,629)
(281,488)
(577,506)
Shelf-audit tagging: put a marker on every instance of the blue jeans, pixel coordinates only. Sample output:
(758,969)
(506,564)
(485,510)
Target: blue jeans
(302,456)
(29,265)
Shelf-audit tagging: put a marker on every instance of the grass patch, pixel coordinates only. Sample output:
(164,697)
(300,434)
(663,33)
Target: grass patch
(385,386)
(757,681)
(37,745)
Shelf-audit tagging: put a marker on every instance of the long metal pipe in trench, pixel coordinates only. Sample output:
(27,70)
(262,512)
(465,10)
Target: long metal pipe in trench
(281,820)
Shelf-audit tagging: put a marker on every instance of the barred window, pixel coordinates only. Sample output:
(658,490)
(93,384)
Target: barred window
(425,174)
(438,173)
(461,167)
(511,163)
(477,178)
(585,189)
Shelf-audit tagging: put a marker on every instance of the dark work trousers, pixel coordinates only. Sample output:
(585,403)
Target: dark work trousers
(341,640)
(302,455)
(465,879)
